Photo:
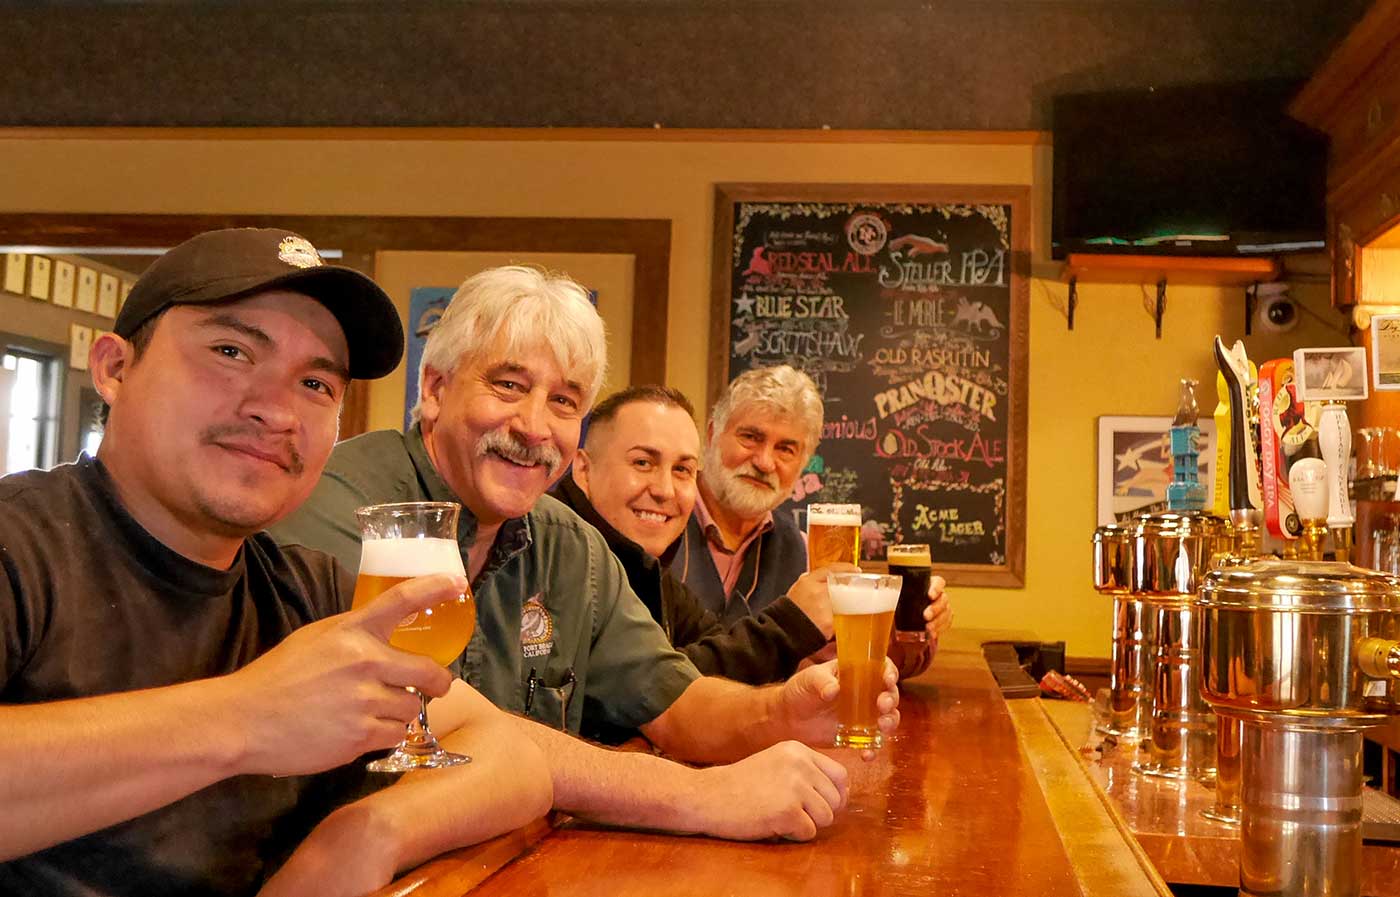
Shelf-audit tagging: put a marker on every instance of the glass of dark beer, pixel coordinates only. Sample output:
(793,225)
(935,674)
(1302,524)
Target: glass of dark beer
(913,564)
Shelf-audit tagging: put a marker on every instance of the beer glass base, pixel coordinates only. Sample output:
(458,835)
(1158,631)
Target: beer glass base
(407,760)
(858,738)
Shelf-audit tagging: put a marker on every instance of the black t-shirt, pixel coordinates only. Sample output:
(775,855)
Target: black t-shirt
(91,603)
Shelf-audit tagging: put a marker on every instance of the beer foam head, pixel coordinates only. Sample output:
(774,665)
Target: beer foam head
(410,557)
(909,556)
(833,515)
(863,593)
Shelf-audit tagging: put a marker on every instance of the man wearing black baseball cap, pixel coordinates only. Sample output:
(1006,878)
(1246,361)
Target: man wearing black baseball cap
(170,680)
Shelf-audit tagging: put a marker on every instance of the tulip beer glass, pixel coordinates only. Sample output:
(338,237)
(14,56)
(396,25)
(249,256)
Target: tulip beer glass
(863,605)
(399,542)
(912,564)
(833,535)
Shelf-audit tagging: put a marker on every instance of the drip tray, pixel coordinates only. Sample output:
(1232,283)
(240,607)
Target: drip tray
(1380,817)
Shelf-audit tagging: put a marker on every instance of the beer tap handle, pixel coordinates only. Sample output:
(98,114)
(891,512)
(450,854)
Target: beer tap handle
(1334,439)
(1244,449)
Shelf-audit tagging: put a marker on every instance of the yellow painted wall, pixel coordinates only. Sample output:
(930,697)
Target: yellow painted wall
(1110,364)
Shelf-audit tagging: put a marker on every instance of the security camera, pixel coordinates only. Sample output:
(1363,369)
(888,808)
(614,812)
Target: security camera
(1276,311)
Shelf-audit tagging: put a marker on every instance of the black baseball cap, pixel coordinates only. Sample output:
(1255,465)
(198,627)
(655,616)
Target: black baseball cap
(223,265)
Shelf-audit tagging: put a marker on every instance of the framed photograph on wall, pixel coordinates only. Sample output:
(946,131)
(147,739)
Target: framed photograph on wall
(1385,351)
(1135,465)
(1337,373)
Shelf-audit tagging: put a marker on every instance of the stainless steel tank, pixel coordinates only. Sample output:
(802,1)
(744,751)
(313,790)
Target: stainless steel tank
(1304,654)
(1129,694)
(1172,553)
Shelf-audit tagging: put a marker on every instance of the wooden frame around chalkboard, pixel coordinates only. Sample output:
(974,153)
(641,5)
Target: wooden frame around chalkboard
(1012,573)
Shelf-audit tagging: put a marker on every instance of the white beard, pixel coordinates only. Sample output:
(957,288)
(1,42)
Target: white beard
(733,493)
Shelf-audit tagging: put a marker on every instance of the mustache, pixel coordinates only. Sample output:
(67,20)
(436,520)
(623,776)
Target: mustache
(748,470)
(504,443)
(284,450)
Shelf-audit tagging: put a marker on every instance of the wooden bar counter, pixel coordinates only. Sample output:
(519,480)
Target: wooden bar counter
(952,806)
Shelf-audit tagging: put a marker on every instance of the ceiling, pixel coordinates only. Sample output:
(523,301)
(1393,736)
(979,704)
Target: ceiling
(938,64)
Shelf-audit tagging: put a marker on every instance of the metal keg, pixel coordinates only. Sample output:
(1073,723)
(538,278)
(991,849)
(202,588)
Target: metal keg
(1303,653)
(1129,695)
(1172,552)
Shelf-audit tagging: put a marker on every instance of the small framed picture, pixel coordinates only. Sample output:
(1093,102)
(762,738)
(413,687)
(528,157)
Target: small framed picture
(1135,465)
(63,277)
(39,268)
(14,272)
(1385,352)
(1337,373)
(79,342)
(87,290)
(107,288)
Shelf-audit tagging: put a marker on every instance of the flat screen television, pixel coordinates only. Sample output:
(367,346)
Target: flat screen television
(1212,169)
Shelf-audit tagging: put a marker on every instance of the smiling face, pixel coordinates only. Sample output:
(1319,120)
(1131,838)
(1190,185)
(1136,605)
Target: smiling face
(751,465)
(639,471)
(223,423)
(501,429)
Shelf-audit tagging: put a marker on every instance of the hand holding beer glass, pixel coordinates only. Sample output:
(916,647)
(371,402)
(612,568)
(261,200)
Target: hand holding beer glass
(402,541)
(863,606)
(833,535)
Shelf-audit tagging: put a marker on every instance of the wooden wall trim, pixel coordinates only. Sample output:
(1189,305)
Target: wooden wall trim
(637,135)
(648,241)
(1322,99)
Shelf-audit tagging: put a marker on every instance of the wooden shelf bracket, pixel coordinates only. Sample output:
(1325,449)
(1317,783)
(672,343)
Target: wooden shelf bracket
(1073,302)
(1161,305)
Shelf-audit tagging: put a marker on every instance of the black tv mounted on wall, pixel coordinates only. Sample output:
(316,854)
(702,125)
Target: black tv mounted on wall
(1210,169)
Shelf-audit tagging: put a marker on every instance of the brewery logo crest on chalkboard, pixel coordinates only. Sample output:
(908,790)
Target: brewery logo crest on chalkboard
(901,313)
(866,233)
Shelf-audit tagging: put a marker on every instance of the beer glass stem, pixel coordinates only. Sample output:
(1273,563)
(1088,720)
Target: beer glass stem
(420,748)
(418,731)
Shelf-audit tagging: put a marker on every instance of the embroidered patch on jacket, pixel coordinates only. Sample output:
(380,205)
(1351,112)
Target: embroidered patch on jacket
(298,252)
(536,628)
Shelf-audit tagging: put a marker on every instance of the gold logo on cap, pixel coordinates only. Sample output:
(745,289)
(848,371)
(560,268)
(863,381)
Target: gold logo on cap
(298,252)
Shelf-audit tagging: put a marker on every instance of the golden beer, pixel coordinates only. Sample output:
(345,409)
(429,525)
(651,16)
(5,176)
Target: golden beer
(863,605)
(833,535)
(399,542)
(440,632)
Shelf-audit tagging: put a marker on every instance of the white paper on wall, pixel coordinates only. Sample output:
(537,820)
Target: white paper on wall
(39,276)
(107,287)
(79,342)
(87,290)
(63,273)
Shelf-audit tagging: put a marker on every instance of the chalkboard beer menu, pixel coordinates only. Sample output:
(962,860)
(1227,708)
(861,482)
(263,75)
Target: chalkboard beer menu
(908,307)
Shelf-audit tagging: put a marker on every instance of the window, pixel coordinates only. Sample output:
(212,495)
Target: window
(29,396)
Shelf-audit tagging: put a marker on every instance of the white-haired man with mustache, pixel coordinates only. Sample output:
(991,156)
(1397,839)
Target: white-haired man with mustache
(505,381)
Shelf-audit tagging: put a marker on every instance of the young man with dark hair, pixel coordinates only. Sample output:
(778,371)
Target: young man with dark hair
(171,681)
(634,480)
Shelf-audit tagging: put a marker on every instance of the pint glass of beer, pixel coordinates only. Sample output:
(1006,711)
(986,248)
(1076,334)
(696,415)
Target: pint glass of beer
(833,535)
(912,564)
(863,605)
(399,542)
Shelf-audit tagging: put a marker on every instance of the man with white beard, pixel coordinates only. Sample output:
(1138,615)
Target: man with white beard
(736,555)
